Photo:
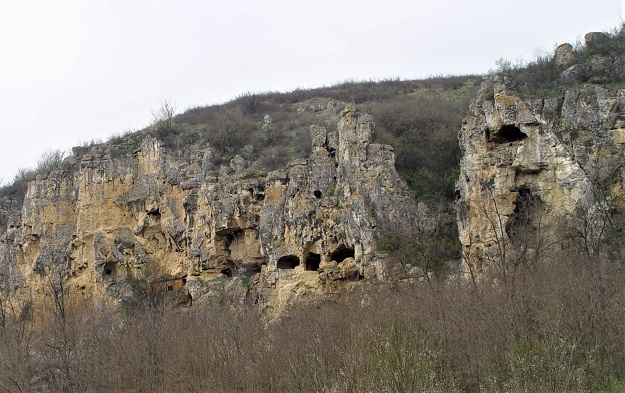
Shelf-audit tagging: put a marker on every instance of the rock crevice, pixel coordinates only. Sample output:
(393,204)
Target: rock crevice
(533,164)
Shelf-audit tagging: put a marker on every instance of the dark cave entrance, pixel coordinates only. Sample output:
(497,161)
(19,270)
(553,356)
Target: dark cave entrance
(288,262)
(508,133)
(110,269)
(155,214)
(312,261)
(526,207)
(342,253)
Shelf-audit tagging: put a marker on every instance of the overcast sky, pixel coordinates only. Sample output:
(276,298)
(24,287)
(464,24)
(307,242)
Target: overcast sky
(75,70)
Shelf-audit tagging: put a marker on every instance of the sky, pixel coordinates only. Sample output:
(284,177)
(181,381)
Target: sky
(72,71)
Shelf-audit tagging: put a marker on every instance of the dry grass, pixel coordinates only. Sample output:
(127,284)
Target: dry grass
(555,328)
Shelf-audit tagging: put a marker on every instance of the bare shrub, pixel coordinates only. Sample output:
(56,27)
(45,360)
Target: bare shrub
(540,77)
(231,131)
(250,102)
(533,334)
(432,246)
(163,116)
(49,160)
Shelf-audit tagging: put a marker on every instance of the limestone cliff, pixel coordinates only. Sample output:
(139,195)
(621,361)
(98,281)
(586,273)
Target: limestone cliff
(116,228)
(534,169)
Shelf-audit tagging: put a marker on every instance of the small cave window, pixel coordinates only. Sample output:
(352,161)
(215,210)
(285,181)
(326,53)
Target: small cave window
(312,261)
(260,194)
(508,133)
(170,288)
(317,194)
(154,213)
(110,269)
(288,262)
(342,253)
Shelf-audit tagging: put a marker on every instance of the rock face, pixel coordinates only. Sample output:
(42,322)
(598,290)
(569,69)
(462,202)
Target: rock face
(531,168)
(117,228)
(564,56)
(601,61)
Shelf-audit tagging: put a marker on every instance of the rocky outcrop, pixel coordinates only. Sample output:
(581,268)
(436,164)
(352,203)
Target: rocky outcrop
(120,228)
(532,169)
(600,60)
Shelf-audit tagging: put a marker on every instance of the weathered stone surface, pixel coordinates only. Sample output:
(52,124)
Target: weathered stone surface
(113,225)
(550,151)
(564,56)
(570,75)
(594,40)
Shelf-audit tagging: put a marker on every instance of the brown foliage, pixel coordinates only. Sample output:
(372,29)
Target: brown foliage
(557,327)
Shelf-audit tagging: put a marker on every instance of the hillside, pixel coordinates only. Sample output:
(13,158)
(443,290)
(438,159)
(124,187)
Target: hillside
(271,129)
(450,234)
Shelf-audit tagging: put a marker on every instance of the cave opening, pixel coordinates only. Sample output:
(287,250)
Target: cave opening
(231,239)
(526,206)
(288,262)
(508,133)
(312,262)
(317,194)
(155,213)
(110,269)
(342,253)
(260,193)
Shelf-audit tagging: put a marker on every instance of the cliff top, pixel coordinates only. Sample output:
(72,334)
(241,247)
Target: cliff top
(598,58)
(271,129)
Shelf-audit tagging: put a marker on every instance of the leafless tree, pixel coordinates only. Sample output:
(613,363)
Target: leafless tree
(514,240)
(164,115)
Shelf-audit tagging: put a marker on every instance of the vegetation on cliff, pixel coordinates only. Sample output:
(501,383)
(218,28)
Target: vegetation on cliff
(271,129)
(598,59)
(547,316)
